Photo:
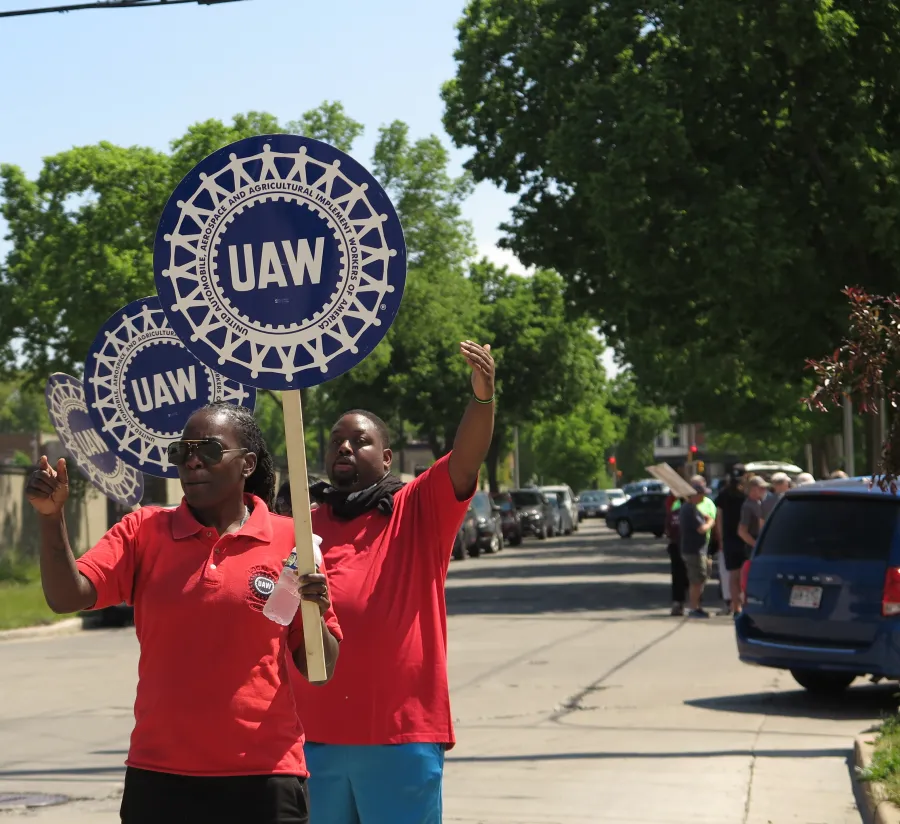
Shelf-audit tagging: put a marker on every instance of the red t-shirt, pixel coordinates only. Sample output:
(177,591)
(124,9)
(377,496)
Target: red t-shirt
(214,693)
(386,576)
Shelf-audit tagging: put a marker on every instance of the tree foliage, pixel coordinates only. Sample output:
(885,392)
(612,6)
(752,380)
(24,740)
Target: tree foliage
(704,175)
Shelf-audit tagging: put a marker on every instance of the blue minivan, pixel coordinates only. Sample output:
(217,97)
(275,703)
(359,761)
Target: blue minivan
(822,589)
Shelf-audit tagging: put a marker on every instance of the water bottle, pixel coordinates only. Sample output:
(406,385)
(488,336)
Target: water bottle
(285,600)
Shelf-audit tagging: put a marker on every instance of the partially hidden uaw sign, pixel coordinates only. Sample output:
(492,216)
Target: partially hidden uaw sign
(280,261)
(78,436)
(142,385)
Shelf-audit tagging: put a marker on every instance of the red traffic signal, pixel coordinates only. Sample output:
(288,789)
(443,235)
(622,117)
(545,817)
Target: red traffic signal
(693,449)
(612,460)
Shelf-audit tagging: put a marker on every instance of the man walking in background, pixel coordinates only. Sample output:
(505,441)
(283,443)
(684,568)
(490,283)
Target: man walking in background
(695,528)
(728,518)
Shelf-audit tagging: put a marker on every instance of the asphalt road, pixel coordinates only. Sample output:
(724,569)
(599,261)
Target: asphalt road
(577,699)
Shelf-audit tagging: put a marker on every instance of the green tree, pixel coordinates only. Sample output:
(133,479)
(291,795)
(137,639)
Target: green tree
(571,448)
(548,364)
(23,409)
(704,175)
(639,424)
(330,123)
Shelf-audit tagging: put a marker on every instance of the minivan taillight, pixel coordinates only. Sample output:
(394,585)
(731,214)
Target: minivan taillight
(890,602)
(745,575)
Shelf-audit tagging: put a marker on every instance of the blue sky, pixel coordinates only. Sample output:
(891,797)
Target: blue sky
(138,76)
(141,76)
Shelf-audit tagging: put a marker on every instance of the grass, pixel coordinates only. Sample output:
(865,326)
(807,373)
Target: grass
(885,766)
(21,597)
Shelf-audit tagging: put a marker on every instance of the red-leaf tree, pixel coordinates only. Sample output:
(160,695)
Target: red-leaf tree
(866,368)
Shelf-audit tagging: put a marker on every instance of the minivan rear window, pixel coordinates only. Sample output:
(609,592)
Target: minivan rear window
(834,529)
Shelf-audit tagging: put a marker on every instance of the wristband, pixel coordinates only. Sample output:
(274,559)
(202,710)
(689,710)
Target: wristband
(478,400)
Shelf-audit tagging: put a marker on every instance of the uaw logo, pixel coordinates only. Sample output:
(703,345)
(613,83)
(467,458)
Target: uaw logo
(143,385)
(280,262)
(102,467)
(262,584)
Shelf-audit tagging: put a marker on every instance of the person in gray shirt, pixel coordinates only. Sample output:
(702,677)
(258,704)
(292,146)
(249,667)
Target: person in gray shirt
(751,511)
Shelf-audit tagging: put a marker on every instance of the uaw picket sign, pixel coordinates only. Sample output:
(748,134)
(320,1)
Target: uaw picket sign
(142,385)
(99,464)
(280,262)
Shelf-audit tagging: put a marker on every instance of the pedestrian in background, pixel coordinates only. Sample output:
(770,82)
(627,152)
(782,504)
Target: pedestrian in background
(378,732)
(728,519)
(748,530)
(677,570)
(780,483)
(217,735)
(695,527)
(804,479)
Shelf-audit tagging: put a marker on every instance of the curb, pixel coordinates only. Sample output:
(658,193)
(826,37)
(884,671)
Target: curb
(877,809)
(64,627)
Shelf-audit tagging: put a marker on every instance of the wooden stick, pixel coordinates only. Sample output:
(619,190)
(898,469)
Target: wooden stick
(306,559)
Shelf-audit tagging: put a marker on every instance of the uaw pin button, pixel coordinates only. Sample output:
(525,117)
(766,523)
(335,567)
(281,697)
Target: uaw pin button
(142,385)
(78,436)
(280,262)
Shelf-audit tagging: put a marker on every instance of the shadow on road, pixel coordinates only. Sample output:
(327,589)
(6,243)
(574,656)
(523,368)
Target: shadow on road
(857,703)
(564,570)
(599,756)
(531,599)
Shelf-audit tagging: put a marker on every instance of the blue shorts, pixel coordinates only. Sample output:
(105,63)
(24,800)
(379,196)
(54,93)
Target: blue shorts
(393,784)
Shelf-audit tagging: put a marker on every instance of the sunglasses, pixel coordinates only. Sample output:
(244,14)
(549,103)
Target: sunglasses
(209,451)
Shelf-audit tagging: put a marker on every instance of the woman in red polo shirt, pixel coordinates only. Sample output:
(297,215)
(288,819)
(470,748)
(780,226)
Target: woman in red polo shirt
(217,736)
(378,731)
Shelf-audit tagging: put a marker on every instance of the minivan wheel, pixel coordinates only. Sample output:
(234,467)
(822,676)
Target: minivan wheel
(623,528)
(823,683)
(494,545)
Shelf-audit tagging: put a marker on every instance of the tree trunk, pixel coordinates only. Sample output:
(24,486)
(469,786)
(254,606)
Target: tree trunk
(492,460)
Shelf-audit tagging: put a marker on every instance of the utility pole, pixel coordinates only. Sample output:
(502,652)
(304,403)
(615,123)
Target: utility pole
(849,462)
(516,479)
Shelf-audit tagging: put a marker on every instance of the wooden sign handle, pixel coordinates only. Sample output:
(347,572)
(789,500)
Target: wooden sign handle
(306,559)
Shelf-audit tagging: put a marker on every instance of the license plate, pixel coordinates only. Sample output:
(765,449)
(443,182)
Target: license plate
(806,597)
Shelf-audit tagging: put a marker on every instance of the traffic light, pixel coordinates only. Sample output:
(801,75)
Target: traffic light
(693,449)
(612,460)
(700,467)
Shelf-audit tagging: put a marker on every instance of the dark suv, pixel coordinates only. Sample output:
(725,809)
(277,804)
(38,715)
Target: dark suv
(510,519)
(536,515)
(822,588)
(487,519)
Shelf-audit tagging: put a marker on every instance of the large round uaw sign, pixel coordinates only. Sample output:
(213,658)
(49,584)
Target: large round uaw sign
(280,261)
(102,467)
(142,385)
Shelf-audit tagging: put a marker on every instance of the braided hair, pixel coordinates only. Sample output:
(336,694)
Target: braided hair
(262,482)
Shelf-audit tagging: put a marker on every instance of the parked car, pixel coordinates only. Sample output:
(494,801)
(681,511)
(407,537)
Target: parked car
(645,512)
(616,496)
(535,512)
(488,522)
(567,505)
(466,542)
(594,503)
(510,519)
(822,588)
(646,485)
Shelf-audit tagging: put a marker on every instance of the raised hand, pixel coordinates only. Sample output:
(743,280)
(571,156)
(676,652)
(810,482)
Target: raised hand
(48,488)
(482,363)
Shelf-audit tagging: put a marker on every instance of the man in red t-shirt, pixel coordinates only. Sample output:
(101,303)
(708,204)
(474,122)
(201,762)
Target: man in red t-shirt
(376,734)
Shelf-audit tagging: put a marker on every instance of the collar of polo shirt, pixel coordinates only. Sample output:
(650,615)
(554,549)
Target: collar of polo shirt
(184,524)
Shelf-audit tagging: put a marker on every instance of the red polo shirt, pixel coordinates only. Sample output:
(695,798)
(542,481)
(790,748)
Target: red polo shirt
(386,576)
(214,693)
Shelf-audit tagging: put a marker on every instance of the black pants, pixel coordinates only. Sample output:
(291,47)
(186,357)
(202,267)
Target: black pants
(679,574)
(161,798)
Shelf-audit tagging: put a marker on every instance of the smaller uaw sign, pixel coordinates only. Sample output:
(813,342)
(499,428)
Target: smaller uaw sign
(99,464)
(280,261)
(142,385)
